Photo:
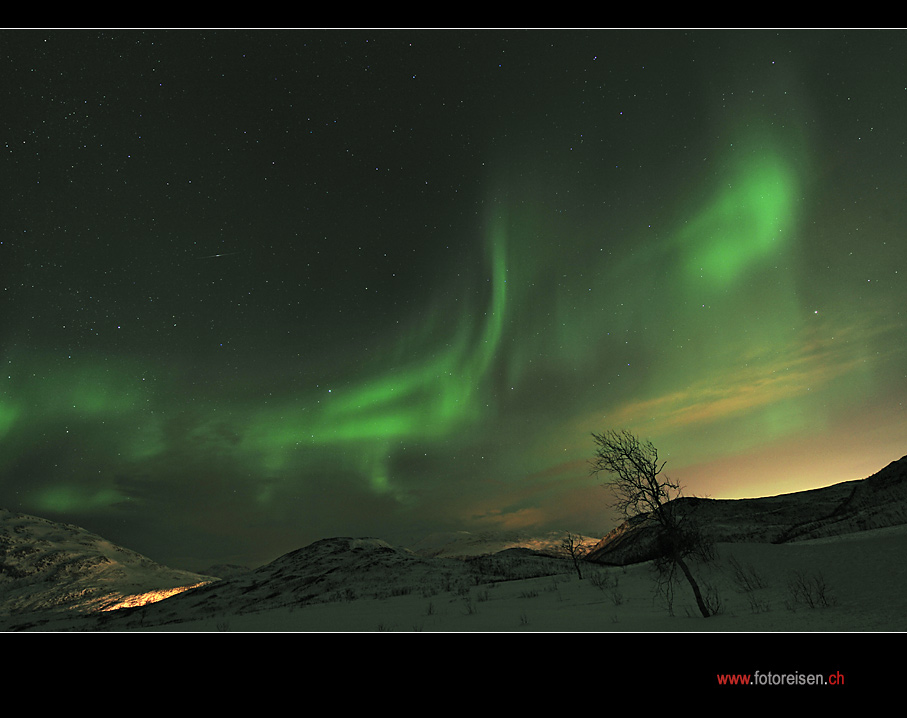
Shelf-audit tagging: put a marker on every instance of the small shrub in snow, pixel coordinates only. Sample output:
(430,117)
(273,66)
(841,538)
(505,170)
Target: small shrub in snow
(758,605)
(746,579)
(809,590)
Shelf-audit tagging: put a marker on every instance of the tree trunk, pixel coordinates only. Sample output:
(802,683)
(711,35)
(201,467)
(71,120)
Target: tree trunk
(695,586)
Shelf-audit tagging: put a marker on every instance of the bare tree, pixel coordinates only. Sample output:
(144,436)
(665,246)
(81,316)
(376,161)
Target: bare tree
(640,488)
(573,546)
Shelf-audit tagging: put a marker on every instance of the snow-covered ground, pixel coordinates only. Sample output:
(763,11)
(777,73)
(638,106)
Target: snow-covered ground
(864,574)
(860,576)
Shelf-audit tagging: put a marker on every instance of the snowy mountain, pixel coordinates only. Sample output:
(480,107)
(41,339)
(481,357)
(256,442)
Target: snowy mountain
(878,501)
(49,566)
(464,544)
(56,577)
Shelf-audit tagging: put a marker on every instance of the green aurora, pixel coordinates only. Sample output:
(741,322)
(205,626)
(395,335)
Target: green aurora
(723,316)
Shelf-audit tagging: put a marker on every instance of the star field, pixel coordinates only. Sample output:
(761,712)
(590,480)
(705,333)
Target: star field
(264,287)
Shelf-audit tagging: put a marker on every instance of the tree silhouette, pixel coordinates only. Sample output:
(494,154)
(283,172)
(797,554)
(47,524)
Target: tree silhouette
(640,487)
(573,546)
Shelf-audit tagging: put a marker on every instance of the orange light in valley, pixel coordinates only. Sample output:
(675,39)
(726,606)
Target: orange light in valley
(142,599)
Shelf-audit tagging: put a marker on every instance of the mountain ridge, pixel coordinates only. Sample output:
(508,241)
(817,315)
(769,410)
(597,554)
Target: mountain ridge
(877,501)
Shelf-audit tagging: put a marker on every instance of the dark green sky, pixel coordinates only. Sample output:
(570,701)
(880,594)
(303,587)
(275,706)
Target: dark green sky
(259,288)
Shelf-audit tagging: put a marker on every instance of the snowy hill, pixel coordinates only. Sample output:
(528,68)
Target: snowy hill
(49,566)
(876,502)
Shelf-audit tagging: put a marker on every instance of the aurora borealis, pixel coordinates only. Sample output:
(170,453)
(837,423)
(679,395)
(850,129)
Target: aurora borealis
(264,287)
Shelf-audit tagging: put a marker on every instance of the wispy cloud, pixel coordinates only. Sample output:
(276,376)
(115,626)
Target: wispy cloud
(818,361)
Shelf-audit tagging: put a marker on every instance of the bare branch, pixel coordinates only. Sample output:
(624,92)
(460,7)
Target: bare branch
(636,466)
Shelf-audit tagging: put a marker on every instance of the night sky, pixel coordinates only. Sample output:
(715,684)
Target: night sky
(265,287)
